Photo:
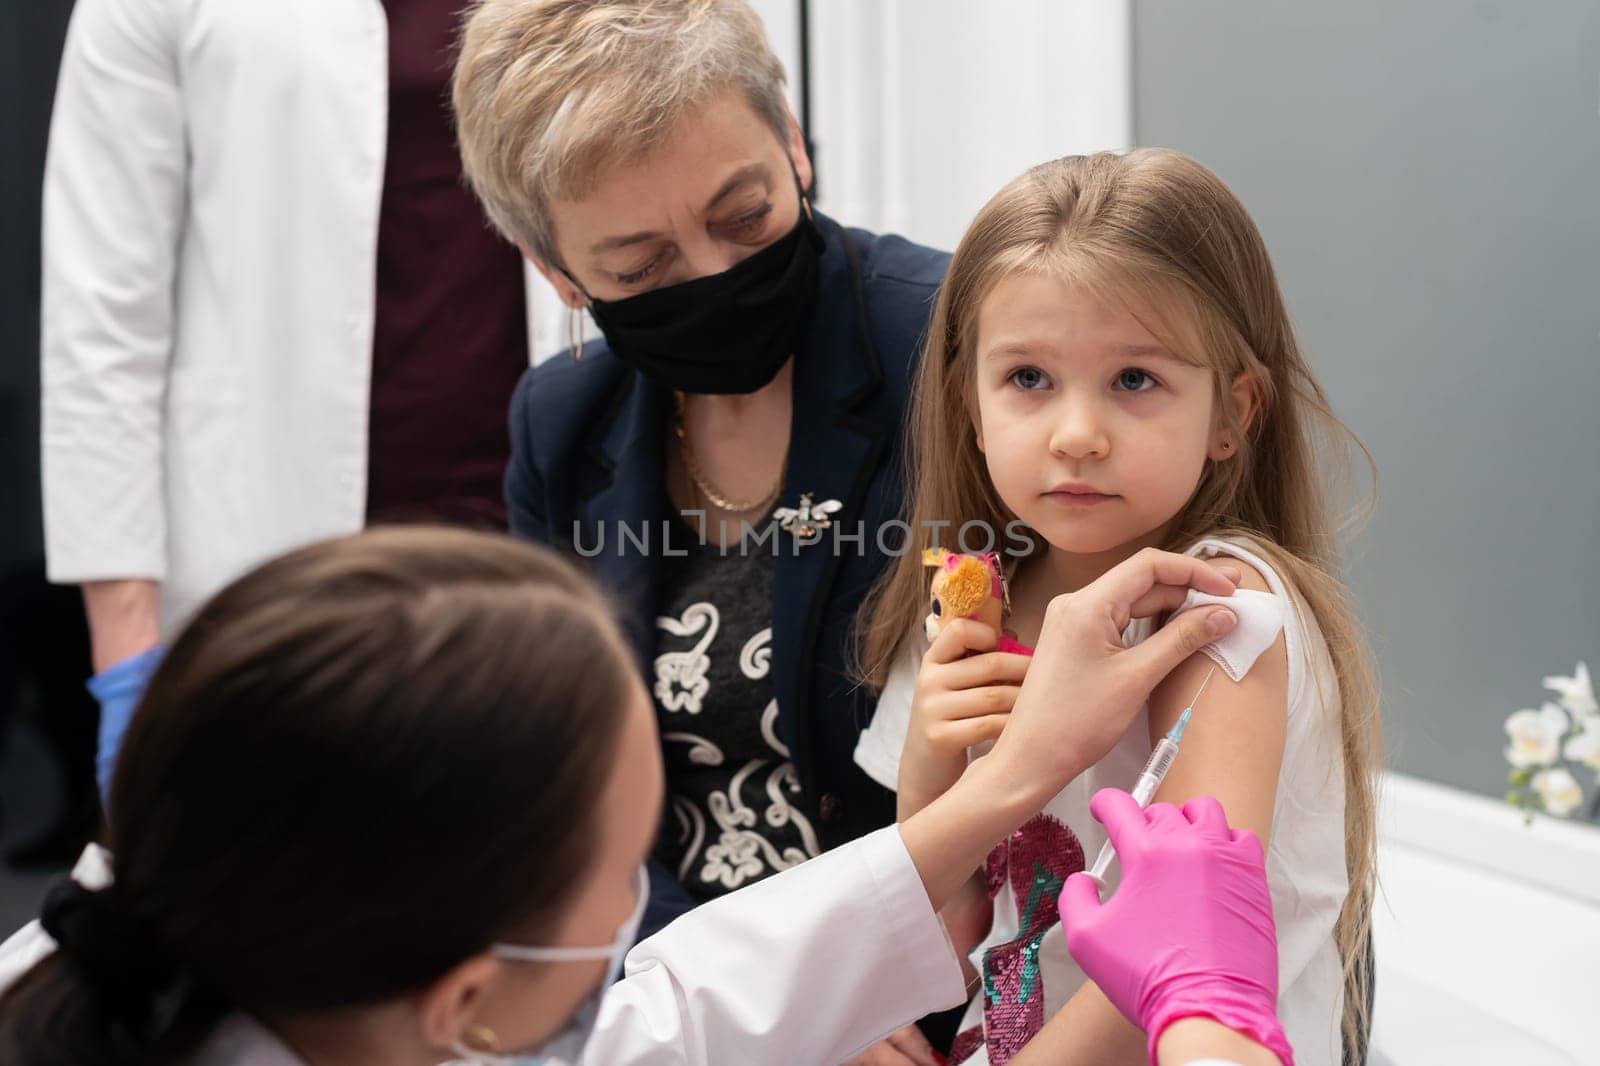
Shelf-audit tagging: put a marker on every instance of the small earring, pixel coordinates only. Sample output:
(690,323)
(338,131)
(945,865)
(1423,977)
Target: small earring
(484,1037)
(1227,445)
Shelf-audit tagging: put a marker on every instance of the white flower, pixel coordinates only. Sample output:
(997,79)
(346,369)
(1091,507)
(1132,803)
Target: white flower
(1535,735)
(1584,747)
(1576,693)
(1559,790)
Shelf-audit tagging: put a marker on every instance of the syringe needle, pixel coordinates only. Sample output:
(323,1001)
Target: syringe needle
(1154,773)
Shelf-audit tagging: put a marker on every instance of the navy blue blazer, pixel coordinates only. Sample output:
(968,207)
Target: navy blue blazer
(586,458)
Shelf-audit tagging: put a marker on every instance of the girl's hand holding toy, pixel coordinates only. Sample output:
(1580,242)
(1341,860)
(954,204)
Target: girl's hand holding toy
(969,678)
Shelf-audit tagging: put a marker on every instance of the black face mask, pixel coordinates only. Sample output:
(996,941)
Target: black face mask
(729,332)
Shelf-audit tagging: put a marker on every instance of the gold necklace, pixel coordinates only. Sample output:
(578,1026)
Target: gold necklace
(706,488)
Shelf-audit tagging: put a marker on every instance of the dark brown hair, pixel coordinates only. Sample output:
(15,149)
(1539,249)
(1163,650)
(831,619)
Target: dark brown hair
(357,766)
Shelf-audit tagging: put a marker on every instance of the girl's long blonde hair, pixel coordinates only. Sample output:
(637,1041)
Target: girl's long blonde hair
(1162,236)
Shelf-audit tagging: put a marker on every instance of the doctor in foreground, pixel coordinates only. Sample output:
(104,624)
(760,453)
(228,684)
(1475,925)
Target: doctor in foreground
(388,799)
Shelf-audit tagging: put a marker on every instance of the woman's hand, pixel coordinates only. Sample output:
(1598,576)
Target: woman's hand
(1084,686)
(1082,691)
(965,691)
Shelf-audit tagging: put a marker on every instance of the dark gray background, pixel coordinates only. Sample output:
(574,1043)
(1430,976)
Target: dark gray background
(31,33)
(1427,176)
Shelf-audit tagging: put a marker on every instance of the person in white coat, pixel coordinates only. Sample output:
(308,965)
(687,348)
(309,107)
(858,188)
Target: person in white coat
(388,798)
(271,309)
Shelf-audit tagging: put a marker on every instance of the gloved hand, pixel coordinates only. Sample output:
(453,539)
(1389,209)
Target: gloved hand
(1189,931)
(119,688)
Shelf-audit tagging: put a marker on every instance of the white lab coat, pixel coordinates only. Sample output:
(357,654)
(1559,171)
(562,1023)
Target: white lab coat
(211,203)
(805,968)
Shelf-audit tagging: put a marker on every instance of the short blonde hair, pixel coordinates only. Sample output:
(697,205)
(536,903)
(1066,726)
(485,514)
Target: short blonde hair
(548,93)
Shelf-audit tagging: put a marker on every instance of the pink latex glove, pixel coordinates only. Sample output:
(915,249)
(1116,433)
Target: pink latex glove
(1189,931)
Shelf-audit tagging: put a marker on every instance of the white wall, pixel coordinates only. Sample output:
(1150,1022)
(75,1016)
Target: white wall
(923,109)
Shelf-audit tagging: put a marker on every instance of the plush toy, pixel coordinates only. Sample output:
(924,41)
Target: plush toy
(968,586)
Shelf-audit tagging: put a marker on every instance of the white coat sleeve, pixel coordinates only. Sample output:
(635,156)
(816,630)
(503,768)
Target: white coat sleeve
(806,967)
(114,192)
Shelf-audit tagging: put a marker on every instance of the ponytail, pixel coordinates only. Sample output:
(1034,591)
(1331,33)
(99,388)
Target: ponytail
(109,996)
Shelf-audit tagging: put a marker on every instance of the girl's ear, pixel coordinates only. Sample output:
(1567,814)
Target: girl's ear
(1244,400)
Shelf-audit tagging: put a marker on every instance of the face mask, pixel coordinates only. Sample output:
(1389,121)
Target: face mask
(565,1046)
(730,332)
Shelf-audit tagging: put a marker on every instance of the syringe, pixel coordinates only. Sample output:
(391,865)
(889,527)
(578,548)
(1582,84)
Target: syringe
(1155,771)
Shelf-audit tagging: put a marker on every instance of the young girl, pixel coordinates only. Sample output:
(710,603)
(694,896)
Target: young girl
(1111,362)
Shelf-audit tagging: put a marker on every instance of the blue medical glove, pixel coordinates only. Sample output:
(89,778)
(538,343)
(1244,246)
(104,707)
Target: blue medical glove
(119,688)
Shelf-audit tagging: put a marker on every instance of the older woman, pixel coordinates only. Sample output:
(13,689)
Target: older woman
(753,377)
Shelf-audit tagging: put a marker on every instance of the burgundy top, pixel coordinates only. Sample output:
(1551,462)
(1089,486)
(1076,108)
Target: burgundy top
(451,337)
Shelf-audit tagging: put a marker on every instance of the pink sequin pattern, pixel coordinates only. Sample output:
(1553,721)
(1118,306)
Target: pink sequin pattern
(1036,861)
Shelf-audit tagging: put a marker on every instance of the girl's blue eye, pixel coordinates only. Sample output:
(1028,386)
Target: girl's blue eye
(1028,378)
(1135,380)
